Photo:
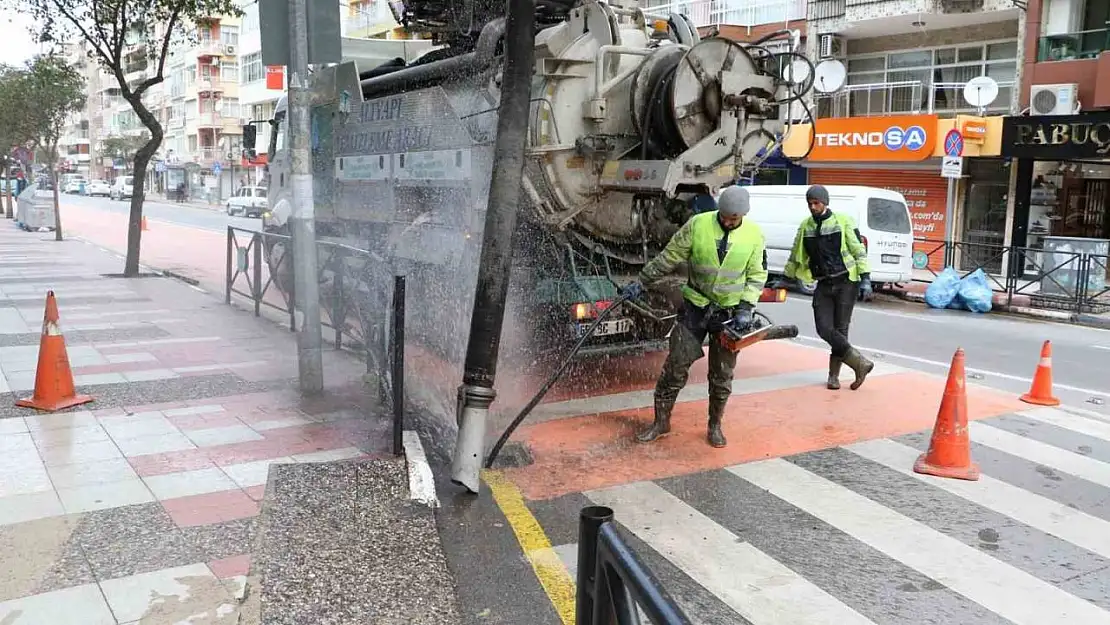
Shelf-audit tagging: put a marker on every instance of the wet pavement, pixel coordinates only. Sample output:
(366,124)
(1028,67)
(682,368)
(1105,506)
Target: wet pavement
(142,506)
(812,514)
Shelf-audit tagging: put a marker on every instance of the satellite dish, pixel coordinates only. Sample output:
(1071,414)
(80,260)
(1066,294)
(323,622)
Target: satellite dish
(980,91)
(796,73)
(830,75)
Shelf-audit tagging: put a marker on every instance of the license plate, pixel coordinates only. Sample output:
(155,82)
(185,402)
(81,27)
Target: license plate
(891,259)
(608,328)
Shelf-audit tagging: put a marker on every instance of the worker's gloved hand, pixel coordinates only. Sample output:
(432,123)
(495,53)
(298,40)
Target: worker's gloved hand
(742,318)
(785,283)
(632,290)
(865,290)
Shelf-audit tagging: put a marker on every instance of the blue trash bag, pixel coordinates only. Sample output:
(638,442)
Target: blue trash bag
(975,292)
(944,289)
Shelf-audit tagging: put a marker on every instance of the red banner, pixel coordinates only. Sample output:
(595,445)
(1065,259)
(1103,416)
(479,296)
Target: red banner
(275,77)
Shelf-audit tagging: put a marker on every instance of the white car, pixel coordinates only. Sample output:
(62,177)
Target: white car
(248,202)
(97,187)
(73,186)
(121,188)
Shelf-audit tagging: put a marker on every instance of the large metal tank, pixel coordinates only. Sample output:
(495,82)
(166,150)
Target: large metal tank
(632,115)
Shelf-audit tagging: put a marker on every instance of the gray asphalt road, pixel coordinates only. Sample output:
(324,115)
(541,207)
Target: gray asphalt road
(183,214)
(1002,350)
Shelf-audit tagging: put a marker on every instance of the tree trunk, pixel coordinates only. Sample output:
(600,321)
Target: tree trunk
(7,165)
(57,207)
(138,183)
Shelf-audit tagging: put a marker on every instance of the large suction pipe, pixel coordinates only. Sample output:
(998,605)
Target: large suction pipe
(469,64)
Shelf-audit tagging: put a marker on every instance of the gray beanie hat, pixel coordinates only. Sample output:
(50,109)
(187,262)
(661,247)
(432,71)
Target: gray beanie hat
(734,202)
(818,193)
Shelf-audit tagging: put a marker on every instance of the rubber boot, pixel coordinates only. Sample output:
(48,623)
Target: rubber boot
(860,364)
(834,373)
(714,434)
(662,424)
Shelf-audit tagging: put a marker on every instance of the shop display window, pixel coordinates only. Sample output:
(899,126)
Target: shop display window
(1068,206)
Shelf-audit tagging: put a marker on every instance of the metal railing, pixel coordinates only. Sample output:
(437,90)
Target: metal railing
(259,268)
(906,96)
(1085,44)
(1062,280)
(613,585)
(733,12)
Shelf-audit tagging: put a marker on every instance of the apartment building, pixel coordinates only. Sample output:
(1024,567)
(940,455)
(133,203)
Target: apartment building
(1060,144)
(200,109)
(75,144)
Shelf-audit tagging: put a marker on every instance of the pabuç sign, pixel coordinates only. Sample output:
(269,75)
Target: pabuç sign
(1057,137)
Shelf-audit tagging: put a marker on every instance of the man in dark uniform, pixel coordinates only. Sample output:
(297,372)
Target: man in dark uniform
(828,248)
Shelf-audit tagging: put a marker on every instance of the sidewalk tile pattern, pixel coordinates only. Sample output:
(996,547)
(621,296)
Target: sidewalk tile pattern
(142,506)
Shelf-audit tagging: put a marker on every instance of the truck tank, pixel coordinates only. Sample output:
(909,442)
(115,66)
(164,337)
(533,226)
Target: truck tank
(632,116)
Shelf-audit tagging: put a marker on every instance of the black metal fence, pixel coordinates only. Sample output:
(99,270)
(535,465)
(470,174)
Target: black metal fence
(613,585)
(353,284)
(1057,279)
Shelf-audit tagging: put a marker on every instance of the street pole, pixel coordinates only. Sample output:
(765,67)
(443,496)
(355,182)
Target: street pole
(306,286)
(496,257)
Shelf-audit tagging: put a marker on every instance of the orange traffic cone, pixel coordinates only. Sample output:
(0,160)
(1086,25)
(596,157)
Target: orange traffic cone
(142,224)
(1040,393)
(949,452)
(54,388)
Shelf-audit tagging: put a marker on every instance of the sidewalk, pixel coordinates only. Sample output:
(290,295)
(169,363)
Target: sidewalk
(142,506)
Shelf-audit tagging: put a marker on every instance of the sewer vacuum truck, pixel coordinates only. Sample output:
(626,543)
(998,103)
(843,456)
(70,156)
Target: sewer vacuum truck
(632,116)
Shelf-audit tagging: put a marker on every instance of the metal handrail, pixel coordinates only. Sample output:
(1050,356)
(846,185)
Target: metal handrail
(613,585)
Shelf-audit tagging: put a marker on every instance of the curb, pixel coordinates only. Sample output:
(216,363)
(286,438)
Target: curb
(422,487)
(1080,319)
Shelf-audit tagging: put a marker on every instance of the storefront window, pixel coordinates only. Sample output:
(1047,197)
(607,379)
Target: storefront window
(922,81)
(772,175)
(1068,206)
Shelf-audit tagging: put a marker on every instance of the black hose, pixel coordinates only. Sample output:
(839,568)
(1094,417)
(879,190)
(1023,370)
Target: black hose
(550,382)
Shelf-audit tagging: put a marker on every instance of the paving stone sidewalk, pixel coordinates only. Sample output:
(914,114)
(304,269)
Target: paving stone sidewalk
(140,507)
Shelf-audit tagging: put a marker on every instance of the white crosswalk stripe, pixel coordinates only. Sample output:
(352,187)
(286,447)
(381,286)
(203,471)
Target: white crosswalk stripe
(987,552)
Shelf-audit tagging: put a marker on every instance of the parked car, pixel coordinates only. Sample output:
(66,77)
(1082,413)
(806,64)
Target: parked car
(73,184)
(248,202)
(97,187)
(121,188)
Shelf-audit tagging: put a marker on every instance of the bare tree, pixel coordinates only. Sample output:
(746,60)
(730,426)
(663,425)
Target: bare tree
(112,29)
(47,92)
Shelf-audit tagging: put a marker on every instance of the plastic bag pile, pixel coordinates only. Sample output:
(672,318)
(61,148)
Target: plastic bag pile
(972,293)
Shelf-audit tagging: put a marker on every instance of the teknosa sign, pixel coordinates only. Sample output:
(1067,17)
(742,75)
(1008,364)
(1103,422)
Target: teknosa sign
(895,138)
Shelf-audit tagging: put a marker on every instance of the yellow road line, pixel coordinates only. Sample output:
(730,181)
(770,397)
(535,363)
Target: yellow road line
(549,569)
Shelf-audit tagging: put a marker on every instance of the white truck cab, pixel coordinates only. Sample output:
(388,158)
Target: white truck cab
(881,215)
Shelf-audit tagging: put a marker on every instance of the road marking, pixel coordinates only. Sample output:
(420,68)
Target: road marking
(1039,453)
(545,561)
(1009,592)
(1095,428)
(945,365)
(1041,513)
(755,585)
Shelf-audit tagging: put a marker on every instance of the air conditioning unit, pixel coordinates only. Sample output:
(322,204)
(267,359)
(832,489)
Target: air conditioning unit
(229,50)
(830,46)
(1061,99)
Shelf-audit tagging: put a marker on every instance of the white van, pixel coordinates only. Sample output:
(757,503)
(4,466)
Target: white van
(881,216)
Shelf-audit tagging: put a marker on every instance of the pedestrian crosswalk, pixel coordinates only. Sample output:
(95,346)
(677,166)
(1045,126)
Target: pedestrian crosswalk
(852,536)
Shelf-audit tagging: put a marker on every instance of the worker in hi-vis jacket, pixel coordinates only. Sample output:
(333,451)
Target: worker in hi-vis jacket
(828,248)
(727,270)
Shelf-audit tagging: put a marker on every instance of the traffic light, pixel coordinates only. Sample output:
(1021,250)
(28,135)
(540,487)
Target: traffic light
(250,136)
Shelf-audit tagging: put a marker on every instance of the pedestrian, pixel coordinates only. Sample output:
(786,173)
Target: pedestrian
(828,248)
(726,273)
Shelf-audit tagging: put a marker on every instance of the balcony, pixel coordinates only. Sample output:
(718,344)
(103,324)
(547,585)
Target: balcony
(213,47)
(209,86)
(734,12)
(207,156)
(910,97)
(1085,44)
